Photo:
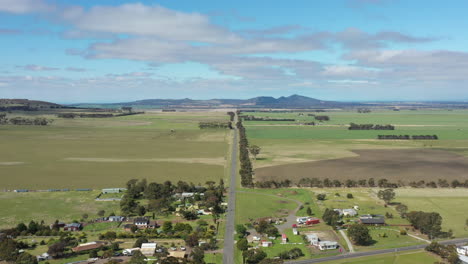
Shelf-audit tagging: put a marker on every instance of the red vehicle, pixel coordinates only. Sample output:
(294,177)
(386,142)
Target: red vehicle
(312,221)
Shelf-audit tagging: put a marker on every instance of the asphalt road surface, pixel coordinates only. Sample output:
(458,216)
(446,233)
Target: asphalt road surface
(228,252)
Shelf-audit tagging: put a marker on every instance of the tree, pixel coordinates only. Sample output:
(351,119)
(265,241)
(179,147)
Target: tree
(108,253)
(321,196)
(241,230)
(138,258)
(25,258)
(140,241)
(101,213)
(359,234)
(8,249)
(402,209)
(167,227)
(253,256)
(331,217)
(309,211)
(242,244)
(198,255)
(57,249)
(350,196)
(192,240)
(93,254)
(110,236)
(141,210)
(254,150)
(386,195)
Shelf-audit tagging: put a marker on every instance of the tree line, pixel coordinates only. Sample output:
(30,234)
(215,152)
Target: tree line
(246,170)
(322,118)
(38,121)
(231,116)
(350,183)
(429,223)
(353,126)
(214,124)
(363,110)
(95,115)
(255,118)
(408,137)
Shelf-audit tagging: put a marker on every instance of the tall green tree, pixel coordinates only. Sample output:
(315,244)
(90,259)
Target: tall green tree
(254,150)
(359,234)
(386,195)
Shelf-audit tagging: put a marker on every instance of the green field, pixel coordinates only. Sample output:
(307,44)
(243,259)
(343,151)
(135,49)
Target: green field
(50,206)
(107,152)
(289,142)
(411,257)
(449,203)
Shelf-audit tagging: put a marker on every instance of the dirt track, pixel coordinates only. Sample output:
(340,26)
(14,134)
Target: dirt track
(405,164)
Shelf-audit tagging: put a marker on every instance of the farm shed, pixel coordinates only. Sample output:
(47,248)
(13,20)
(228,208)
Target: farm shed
(113,190)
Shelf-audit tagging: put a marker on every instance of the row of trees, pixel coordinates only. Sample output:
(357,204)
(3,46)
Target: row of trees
(231,116)
(363,110)
(10,251)
(448,252)
(349,183)
(203,125)
(322,118)
(429,223)
(38,121)
(353,126)
(33,228)
(255,118)
(408,137)
(246,170)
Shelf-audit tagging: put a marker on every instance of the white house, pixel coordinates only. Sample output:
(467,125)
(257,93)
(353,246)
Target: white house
(302,220)
(148,249)
(349,212)
(324,245)
(44,256)
(266,243)
(313,239)
(116,218)
(129,251)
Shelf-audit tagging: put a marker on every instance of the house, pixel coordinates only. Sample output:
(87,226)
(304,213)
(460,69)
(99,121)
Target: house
(463,259)
(129,251)
(284,239)
(113,190)
(141,222)
(295,232)
(366,220)
(313,239)
(44,256)
(58,225)
(116,218)
(148,249)
(73,227)
(87,246)
(324,245)
(340,211)
(349,212)
(266,243)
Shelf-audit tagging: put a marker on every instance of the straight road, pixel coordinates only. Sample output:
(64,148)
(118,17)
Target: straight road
(228,252)
(375,252)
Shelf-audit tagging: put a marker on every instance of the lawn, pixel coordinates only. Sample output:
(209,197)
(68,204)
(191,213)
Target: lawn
(50,206)
(99,153)
(410,257)
(365,198)
(449,203)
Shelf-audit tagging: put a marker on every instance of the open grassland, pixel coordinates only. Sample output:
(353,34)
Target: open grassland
(411,257)
(50,206)
(451,204)
(107,152)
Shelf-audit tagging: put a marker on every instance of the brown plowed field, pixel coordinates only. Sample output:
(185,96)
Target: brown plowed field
(405,165)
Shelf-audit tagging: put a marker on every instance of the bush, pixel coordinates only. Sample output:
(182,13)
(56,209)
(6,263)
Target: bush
(350,196)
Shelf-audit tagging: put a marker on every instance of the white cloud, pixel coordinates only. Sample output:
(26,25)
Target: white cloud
(24,6)
(33,67)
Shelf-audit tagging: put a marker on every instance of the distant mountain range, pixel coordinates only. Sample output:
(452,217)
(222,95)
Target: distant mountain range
(290,102)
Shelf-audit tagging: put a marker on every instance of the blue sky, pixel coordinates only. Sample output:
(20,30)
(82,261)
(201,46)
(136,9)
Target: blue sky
(350,50)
